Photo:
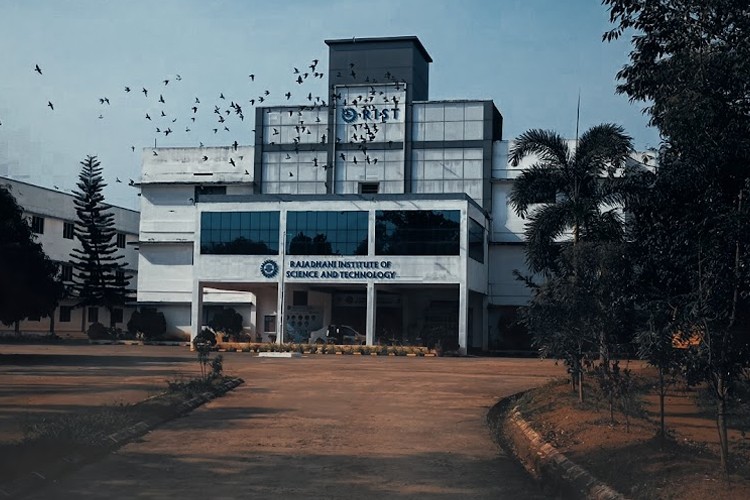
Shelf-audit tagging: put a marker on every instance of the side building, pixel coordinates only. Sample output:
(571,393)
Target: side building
(52,217)
(372,207)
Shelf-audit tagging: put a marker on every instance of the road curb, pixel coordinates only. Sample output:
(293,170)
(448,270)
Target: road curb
(543,461)
(39,478)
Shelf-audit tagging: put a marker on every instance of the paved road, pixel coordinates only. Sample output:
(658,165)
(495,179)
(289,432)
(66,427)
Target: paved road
(328,427)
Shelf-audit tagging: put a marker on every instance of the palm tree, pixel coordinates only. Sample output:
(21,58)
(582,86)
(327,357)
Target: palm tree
(577,189)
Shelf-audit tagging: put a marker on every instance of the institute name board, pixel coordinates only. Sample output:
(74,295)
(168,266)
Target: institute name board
(337,269)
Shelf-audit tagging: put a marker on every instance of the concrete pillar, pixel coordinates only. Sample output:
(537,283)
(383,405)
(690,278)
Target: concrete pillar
(371,309)
(463,317)
(485,325)
(280,321)
(196,310)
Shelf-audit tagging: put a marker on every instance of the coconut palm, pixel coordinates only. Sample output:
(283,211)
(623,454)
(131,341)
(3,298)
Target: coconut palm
(569,195)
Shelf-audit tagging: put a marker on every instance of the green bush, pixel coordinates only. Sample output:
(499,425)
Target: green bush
(227,321)
(97,331)
(206,336)
(147,322)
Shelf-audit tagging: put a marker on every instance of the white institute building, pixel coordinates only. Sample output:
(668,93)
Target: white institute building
(374,208)
(52,216)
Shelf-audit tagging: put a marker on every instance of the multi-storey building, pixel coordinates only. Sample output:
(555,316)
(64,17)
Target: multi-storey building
(52,216)
(375,208)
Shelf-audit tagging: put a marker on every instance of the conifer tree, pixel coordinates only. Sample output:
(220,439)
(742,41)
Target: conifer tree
(96,262)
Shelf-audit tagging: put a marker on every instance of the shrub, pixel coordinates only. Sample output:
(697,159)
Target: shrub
(227,321)
(97,331)
(206,336)
(148,322)
(217,366)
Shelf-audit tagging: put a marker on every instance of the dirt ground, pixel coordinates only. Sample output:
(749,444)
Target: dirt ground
(632,460)
(313,427)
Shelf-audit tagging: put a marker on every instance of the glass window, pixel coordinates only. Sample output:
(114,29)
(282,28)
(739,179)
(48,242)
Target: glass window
(120,240)
(269,323)
(326,233)
(240,233)
(66,272)
(37,224)
(117,315)
(93,314)
(65,312)
(417,232)
(68,230)
(476,241)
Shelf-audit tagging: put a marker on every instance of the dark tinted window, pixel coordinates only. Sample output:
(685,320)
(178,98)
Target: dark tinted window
(240,233)
(417,232)
(326,233)
(476,241)
(68,230)
(37,224)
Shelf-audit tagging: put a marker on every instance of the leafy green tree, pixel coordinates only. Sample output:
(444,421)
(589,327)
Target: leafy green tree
(96,262)
(29,278)
(149,322)
(690,65)
(227,321)
(571,197)
(585,306)
(569,192)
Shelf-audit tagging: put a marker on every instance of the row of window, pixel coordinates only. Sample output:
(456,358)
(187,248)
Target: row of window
(66,274)
(397,232)
(37,226)
(66,312)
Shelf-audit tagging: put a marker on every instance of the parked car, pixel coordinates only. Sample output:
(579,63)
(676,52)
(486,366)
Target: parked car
(337,334)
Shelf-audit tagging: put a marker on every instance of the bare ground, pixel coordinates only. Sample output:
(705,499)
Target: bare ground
(315,427)
(633,460)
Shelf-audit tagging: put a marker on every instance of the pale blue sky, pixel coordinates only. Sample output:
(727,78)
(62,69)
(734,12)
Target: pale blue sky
(530,56)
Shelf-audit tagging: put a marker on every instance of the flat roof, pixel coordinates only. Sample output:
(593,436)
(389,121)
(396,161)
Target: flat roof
(385,39)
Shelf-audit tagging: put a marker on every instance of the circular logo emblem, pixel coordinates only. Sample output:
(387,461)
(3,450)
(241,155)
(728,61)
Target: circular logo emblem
(348,115)
(269,268)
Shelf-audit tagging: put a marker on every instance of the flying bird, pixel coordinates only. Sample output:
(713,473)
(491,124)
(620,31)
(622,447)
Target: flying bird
(145,92)
(132,148)
(49,103)
(178,78)
(131,182)
(127,89)
(234,145)
(117,179)
(205,158)
(147,117)
(161,99)
(252,77)
(231,162)
(37,69)
(221,96)
(197,101)
(288,95)
(166,82)
(155,153)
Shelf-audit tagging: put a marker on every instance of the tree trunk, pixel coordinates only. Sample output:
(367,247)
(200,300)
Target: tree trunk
(721,423)
(662,391)
(580,385)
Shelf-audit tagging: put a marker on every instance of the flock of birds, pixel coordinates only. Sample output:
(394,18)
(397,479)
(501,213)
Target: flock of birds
(226,110)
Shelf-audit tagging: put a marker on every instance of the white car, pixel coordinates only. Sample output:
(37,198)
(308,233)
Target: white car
(337,334)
